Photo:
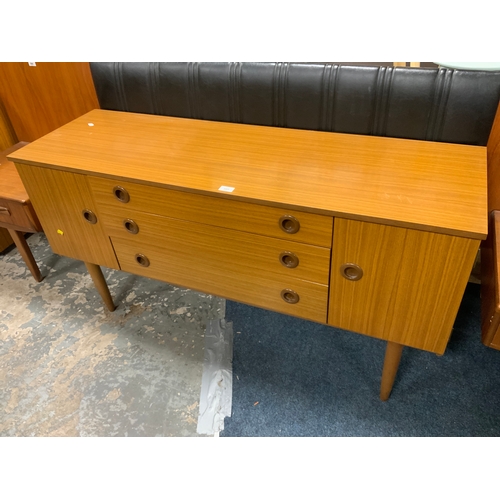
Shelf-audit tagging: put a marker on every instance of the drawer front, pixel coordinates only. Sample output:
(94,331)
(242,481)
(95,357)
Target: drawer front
(258,219)
(214,244)
(192,270)
(14,213)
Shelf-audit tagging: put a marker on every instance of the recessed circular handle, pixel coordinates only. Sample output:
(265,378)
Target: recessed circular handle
(131,226)
(142,260)
(351,272)
(89,216)
(289,296)
(289,259)
(121,194)
(289,224)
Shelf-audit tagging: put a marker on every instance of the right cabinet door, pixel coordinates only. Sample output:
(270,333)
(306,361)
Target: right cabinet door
(397,284)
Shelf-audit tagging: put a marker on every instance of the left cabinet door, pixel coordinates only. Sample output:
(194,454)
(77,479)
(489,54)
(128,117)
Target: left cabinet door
(65,206)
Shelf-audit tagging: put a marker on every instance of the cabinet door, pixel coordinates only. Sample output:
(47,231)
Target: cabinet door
(397,284)
(490,283)
(62,201)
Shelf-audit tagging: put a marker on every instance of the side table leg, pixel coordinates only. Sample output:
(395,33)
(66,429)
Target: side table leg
(101,285)
(25,252)
(391,364)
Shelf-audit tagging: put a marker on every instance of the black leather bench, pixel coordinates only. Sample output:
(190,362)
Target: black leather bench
(414,103)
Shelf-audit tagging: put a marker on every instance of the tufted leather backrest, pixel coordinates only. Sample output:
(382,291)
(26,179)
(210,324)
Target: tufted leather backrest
(414,103)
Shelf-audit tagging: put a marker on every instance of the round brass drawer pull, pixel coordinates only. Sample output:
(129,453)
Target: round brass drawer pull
(121,194)
(142,260)
(89,216)
(289,296)
(131,226)
(289,259)
(289,224)
(351,272)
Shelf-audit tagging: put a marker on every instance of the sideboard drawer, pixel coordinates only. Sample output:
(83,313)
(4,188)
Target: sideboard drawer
(192,270)
(213,244)
(292,225)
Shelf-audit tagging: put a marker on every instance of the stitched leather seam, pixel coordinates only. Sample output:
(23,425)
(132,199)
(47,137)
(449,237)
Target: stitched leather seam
(154,86)
(328,96)
(120,88)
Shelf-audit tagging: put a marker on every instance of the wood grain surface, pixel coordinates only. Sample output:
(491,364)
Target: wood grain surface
(11,186)
(18,215)
(192,270)
(493,148)
(211,244)
(16,210)
(5,239)
(38,99)
(59,199)
(7,134)
(412,283)
(490,284)
(257,219)
(495,343)
(418,184)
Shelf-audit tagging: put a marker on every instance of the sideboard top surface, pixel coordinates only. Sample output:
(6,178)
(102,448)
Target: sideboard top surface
(424,185)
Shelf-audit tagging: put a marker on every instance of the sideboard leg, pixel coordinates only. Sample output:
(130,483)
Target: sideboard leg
(391,363)
(25,252)
(101,285)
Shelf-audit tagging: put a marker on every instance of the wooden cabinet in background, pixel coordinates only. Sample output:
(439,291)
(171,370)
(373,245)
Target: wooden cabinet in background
(38,99)
(7,139)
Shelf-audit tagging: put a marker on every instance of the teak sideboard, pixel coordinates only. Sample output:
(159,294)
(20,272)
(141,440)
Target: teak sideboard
(370,234)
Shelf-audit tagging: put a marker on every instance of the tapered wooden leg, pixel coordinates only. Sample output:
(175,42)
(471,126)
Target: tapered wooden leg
(101,285)
(391,363)
(25,252)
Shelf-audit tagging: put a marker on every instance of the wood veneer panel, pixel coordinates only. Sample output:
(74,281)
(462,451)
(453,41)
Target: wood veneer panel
(38,99)
(406,272)
(59,199)
(237,249)
(495,343)
(11,187)
(257,219)
(13,196)
(493,148)
(5,239)
(490,283)
(423,185)
(189,269)
(7,134)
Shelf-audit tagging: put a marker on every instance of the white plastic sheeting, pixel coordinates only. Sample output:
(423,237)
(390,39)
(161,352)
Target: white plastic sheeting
(217,379)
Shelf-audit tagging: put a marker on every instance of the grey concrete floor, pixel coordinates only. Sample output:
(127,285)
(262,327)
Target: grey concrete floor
(69,367)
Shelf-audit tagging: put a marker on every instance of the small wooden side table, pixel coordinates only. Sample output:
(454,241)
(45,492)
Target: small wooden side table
(16,212)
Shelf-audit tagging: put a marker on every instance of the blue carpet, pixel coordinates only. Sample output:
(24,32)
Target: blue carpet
(311,380)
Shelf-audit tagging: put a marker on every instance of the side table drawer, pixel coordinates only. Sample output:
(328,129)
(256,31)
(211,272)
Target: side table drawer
(18,214)
(292,225)
(262,289)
